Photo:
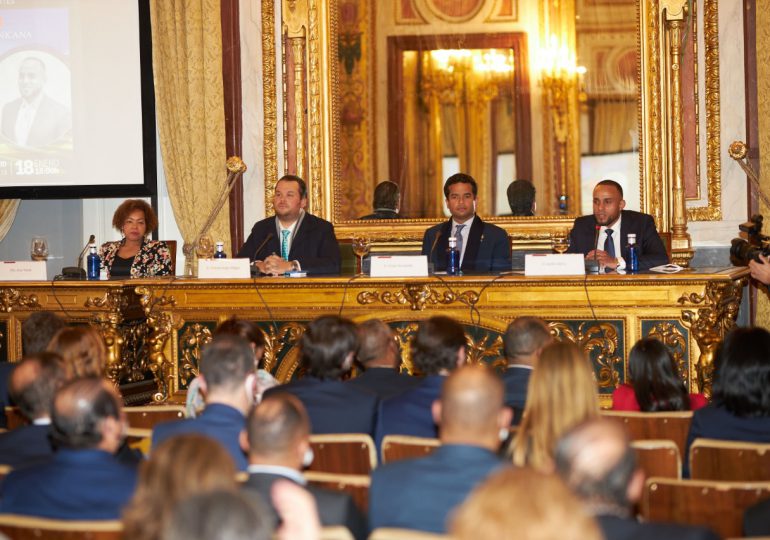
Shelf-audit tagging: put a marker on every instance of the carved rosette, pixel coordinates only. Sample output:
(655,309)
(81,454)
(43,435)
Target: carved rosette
(600,341)
(486,346)
(161,325)
(112,300)
(191,342)
(417,297)
(709,323)
(279,339)
(12,298)
(670,335)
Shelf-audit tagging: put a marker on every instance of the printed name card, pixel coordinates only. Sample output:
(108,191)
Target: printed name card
(23,271)
(223,268)
(553,264)
(399,266)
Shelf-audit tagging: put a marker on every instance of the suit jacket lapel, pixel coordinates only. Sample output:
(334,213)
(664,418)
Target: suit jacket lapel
(439,254)
(300,235)
(472,247)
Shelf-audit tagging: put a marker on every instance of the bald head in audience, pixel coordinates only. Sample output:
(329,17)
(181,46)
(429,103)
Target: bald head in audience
(471,409)
(377,347)
(523,340)
(35,382)
(278,432)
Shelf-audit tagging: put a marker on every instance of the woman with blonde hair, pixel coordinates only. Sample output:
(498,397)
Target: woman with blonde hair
(83,350)
(182,466)
(561,394)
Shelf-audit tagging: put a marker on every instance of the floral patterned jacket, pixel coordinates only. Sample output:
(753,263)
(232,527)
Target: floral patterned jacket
(153,259)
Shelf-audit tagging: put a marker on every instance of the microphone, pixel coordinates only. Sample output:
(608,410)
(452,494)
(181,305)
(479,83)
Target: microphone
(592,266)
(433,248)
(256,252)
(77,272)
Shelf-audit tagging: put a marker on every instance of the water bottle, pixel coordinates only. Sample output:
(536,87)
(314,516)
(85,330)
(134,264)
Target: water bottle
(453,258)
(632,264)
(93,263)
(220,252)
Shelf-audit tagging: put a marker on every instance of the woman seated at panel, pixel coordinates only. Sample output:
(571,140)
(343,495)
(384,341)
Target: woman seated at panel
(135,256)
(654,384)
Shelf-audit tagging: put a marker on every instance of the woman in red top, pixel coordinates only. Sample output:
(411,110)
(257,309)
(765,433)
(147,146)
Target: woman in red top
(655,384)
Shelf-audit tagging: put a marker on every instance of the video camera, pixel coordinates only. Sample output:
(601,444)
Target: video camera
(744,250)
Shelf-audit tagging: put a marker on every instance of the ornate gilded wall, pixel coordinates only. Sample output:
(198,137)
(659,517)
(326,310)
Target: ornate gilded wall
(763,98)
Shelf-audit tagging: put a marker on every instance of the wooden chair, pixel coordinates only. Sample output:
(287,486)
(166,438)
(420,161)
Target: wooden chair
(343,453)
(4,470)
(356,485)
(718,505)
(147,417)
(732,461)
(139,439)
(658,458)
(658,425)
(396,447)
(337,532)
(34,528)
(14,418)
(388,533)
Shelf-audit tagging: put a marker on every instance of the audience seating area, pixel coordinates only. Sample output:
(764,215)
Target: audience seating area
(396,447)
(730,461)
(147,417)
(658,457)
(32,528)
(343,453)
(658,425)
(357,485)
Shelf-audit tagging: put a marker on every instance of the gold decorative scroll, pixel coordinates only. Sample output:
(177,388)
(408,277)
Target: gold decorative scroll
(599,337)
(295,19)
(417,297)
(161,325)
(270,129)
(12,298)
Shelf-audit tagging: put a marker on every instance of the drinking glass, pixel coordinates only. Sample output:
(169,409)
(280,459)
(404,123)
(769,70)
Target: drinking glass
(39,248)
(361,247)
(560,241)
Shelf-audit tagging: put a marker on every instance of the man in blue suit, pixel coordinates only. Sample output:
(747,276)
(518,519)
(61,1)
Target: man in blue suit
(421,493)
(33,386)
(328,346)
(228,379)
(83,480)
(438,348)
(483,247)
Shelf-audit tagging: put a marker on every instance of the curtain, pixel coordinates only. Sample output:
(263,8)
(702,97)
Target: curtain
(187,64)
(8,210)
(613,123)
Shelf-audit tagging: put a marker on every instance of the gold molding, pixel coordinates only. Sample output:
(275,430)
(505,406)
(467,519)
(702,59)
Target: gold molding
(418,297)
(270,128)
(11,298)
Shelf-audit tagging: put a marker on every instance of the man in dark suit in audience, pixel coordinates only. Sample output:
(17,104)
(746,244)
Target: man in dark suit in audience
(328,346)
(83,480)
(421,493)
(293,240)
(608,244)
(483,247)
(438,348)
(523,340)
(597,462)
(387,200)
(279,447)
(228,379)
(33,386)
(379,353)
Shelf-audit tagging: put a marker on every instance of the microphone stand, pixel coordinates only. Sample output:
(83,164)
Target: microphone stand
(235,167)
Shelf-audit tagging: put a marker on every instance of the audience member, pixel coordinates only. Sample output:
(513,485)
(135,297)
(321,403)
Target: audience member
(33,387)
(82,349)
(523,504)
(386,202)
(655,383)
(379,354)
(227,379)
(756,520)
(562,393)
(83,480)
(421,493)
(328,346)
(438,348)
(219,515)
(597,462)
(521,198)
(182,466)
(523,341)
(279,448)
(38,330)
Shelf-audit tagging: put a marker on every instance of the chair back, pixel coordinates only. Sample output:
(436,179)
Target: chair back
(147,417)
(658,458)
(343,453)
(33,528)
(139,439)
(729,460)
(717,505)
(14,418)
(172,249)
(337,532)
(389,533)
(396,447)
(355,485)
(673,426)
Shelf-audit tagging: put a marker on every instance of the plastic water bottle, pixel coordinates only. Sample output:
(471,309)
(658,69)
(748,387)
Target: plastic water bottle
(453,258)
(220,252)
(93,263)
(632,264)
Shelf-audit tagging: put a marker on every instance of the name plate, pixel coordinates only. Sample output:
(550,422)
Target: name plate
(399,266)
(223,268)
(553,264)
(23,271)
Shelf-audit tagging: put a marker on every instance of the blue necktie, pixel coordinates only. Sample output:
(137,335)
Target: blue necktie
(285,244)
(609,245)
(459,237)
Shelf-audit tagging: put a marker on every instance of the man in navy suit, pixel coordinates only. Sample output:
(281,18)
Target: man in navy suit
(596,461)
(228,379)
(438,348)
(293,240)
(279,448)
(33,386)
(483,247)
(523,340)
(603,236)
(328,346)
(421,493)
(83,480)
(379,354)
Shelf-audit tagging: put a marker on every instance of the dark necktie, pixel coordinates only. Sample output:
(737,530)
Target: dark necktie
(609,245)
